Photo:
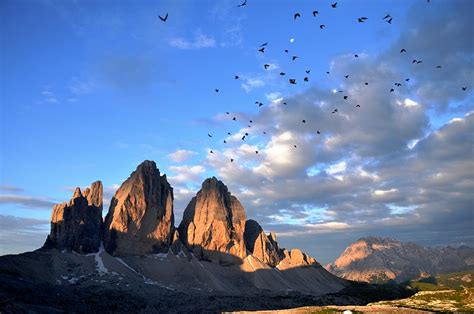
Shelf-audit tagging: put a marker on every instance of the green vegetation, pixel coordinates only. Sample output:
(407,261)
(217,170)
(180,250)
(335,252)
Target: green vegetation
(453,292)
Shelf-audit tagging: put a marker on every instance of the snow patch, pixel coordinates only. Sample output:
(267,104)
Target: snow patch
(100,268)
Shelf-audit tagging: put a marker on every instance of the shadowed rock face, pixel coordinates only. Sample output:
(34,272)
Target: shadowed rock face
(213,223)
(140,218)
(263,247)
(77,224)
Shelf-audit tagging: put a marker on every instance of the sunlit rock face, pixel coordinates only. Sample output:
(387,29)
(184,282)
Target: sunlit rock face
(374,259)
(262,246)
(140,218)
(77,224)
(213,224)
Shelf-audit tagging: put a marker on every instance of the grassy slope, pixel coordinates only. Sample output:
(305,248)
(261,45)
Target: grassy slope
(446,292)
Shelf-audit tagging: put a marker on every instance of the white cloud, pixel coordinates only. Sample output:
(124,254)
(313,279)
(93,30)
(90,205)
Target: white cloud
(199,41)
(181,155)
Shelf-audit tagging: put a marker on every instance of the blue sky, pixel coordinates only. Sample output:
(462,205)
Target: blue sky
(89,89)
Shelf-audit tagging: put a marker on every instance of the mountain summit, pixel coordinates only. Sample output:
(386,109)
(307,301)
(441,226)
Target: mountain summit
(379,260)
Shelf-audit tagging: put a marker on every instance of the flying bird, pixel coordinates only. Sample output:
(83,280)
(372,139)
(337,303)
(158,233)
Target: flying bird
(237,77)
(306,79)
(292,81)
(262,50)
(318,132)
(282,73)
(242,4)
(264,44)
(391,90)
(464,88)
(387,17)
(209,135)
(438,67)
(266,66)
(225,142)
(334,5)
(234,118)
(407,79)
(403,50)
(307,71)
(315,13)
(366,83)
(211,152)
(346,76)
(231,160)
(256,152)
(356,56)
(357,106)
(294,58)
(217,90)
(322,26)
(362,19)
(163,18)
(304,121)
(296,15)
(389,21)
(345,97)
(334,111)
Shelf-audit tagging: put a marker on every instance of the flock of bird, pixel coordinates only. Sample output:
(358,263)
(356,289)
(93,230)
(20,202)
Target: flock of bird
(387,18)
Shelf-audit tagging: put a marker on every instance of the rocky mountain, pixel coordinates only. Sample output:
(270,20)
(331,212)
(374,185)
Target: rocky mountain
(140,218)
(213,223)
(377,260)
(214,252)
(77,224)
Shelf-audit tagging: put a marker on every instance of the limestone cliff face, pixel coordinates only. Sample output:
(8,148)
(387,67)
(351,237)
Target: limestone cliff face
(77,224)
(140,218)
(262,246)
(295,258)
(379,260)
(213,224)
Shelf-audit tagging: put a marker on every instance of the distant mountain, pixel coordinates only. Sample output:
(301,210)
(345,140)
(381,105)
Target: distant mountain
(137,260)
(379,260)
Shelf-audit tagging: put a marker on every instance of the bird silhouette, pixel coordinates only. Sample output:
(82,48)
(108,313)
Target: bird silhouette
(266,66)
(345,97)
(294,58)
(306,79)
(259,103)
(356,56)
(317,132)
(334,5)
(227,112)
(438,67)
(282,73)
(163,18)
(234,118)
(315,13)
(228,133)
(307,71)
(346,76)
(398,84)
(292,81)
(327,72)
(357,106)
(391,90)
(294,146)
(403,50)
(211,152)
(296,15)
(407,79)
(334,111)
(264,44)
(366,83)
(286,50)
(464,88)
(304,121)
(256,152)
(362,19)
(262,50)
(209,135)
(389,21)
(322,26)
(243,138)
(231,160)
(236,77)
(242,4)
(386,17)
(225,142)
(217,90)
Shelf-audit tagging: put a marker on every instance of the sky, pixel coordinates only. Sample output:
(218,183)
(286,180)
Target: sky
(89,89)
